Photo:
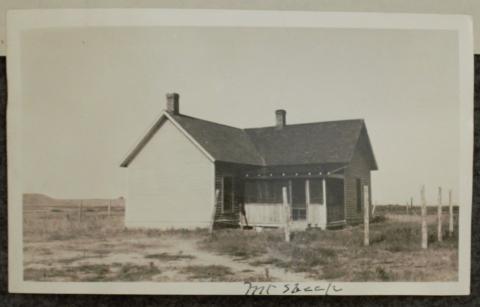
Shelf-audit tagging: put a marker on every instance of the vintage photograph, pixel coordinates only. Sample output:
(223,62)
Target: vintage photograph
(251,154)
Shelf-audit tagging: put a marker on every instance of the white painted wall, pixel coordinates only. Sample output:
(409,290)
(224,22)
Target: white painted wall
(171,183)
(274,215)
(316,215)
(265,214)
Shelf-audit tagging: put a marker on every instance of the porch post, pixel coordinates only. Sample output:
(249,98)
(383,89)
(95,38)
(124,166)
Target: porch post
(290,192)
(307,200)
(323,211)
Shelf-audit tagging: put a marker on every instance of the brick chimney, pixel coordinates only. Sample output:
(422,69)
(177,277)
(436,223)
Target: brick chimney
(173,103)
(281,118)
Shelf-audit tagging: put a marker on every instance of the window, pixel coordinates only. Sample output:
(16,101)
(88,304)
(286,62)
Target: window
(299,205)
(228,197)
(359,194)
(264,191)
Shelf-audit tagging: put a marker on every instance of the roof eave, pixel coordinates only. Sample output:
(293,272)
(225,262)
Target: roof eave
(153,129)
(374,166)
(189,136)
(143,141)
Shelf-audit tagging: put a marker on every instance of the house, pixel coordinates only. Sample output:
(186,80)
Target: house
(188,172)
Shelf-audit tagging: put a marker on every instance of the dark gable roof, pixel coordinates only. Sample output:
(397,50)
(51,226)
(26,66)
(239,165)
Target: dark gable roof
(324,142)
(312,143)
(223,143)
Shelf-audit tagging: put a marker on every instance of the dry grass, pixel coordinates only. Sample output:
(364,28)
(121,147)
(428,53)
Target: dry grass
(65,223)
(93,272)
(208,272)
(248,244)
(61,246)
(134,272)
(415,210)
(394,253)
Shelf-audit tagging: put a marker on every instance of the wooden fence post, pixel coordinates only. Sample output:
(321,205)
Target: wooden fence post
(450,214)
(424,221)
(439,215)
(214,211)
(406,206)
(366,216)
(411,205)
(373,209)
(287,213)
(109,207)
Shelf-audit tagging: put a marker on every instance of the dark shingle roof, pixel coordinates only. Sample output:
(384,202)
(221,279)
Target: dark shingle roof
(311,143)
(223,143)
(323,142)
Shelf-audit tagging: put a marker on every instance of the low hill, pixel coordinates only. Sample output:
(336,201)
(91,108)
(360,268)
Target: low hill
(38,199)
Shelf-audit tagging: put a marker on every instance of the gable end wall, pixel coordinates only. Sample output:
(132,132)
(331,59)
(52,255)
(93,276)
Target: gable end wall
(358,168)
(171,183)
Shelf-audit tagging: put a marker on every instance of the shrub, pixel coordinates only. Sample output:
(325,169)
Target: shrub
(209,272)
(378,219)
(378,274)
(332,271)
(237,243)
(133,272)
(382,274)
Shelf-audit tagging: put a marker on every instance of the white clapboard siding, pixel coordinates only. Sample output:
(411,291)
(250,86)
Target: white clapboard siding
(264,214)
(171,183)
(314,214)
(273,215)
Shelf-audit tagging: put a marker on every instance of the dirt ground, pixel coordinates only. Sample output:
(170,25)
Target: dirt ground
(176,258)
(61,245)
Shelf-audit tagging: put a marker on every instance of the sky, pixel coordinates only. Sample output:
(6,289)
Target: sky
(89,94)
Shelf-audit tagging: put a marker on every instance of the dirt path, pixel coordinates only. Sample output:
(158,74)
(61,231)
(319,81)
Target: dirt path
(238,266)
(177,259)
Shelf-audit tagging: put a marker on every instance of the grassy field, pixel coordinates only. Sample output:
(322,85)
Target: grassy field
(61,245)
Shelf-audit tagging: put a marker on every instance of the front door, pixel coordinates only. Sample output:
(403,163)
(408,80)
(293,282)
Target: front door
(299,202)
(335,200)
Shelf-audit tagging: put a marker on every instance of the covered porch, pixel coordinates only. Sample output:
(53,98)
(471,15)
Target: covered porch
(314,199)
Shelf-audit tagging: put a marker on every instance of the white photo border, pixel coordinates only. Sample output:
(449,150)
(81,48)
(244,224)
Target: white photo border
(21,20)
